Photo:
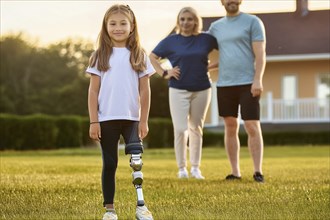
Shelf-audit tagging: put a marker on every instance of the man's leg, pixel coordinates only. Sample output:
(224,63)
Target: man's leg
(228,105)
(250,111)
(232,144)
(255,143)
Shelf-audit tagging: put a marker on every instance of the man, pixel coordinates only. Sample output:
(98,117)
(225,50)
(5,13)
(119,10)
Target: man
(241,39)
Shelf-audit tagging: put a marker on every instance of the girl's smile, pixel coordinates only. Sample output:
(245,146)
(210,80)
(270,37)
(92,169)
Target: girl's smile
(119,28)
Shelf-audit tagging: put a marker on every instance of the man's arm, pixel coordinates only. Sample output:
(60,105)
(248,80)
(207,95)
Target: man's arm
(259,50)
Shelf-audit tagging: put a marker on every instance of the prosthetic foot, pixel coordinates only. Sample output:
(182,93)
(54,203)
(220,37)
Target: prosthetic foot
(136,150)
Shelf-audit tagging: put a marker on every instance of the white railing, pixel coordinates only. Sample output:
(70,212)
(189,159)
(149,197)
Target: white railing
(308,110)
(298,110)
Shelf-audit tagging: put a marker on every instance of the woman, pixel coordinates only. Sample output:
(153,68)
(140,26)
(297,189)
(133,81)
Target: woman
(189,86)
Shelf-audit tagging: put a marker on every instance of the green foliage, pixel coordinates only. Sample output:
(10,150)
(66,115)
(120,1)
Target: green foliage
(52,80)
(48,132)
(297,138)
(65,184)
(17,58)
(11,125)
(69,131)
(273,138)
(160,133)
(42,132)
(30,132)
(159,98)
(49,80)
(38,131)
(213,139)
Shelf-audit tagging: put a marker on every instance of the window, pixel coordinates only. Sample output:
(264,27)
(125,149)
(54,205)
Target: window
(323,89)
(318,5)
(289,89)
(289,94)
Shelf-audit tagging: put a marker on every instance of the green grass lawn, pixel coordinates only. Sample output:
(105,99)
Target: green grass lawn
(65,184)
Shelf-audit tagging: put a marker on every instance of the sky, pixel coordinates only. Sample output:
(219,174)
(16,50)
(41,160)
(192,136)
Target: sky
(46,22)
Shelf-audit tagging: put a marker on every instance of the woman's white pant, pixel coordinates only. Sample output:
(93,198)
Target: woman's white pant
(188,110)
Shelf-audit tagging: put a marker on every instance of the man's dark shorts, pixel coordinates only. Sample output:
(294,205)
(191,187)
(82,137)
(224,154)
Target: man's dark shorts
(229,98)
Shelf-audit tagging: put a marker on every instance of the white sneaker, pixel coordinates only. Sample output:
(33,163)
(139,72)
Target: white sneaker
(197,174)
(142,213)
(110,216)
(183,173)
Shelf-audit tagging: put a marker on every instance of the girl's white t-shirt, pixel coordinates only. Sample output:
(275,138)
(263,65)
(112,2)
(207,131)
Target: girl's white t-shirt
(119,97)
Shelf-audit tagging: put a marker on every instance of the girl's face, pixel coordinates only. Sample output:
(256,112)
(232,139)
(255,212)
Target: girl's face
(187,23)
(119,28)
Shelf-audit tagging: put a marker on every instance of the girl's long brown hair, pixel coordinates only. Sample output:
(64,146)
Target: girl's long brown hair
(101,55)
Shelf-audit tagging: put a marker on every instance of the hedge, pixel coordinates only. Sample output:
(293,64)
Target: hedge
(51,132)
(69,131)
(28,132)
(273,138)
(161,133)
(39,132)
(10,132)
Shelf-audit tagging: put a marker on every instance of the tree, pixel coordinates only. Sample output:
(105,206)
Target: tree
(49,80)
(52,79)
(16,63)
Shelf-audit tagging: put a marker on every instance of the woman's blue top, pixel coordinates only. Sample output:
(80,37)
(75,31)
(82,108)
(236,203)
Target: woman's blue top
(190,54)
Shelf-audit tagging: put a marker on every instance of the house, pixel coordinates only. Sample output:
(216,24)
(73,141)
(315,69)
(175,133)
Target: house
(297,74)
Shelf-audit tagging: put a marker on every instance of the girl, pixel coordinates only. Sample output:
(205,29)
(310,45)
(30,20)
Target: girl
(190,86)
(119,98)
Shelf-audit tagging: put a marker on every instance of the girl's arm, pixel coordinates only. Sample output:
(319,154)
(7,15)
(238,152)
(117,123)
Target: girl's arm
(93,93)
(144,89)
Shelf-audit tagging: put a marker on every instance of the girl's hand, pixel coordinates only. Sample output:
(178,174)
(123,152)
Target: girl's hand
(143,130)
(95,131)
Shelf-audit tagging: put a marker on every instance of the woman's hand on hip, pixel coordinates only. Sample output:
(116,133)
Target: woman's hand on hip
(175,73)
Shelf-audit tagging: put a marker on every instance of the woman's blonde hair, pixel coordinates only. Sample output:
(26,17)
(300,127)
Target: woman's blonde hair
(101,55)
(199,25)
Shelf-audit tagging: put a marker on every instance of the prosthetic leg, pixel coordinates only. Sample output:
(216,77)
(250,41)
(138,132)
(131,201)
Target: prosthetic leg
(136,150)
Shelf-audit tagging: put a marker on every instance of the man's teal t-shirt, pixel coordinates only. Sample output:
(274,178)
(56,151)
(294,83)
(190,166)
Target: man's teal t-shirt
(236,58)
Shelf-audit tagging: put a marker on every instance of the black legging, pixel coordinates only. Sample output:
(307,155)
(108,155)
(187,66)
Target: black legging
(110,134)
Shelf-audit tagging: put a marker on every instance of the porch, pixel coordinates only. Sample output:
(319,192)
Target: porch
(279,114)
